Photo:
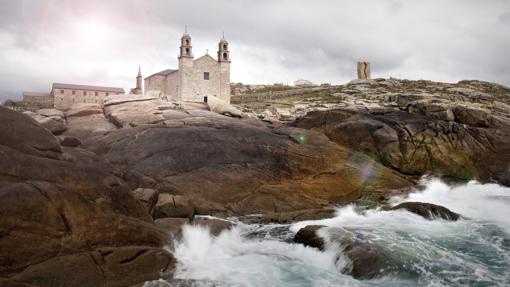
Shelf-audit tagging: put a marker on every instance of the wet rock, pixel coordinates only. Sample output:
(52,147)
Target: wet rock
(428,210)
(308,236)
(169,205)
(368,260)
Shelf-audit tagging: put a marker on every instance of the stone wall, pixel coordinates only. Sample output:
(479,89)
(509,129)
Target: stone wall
(273,95)
(156,83)
(37,102)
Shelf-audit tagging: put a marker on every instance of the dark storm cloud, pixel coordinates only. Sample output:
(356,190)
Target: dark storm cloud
(271,41)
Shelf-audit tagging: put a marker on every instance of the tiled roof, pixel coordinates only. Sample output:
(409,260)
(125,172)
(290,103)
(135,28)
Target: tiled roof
(87,88)
(164,73)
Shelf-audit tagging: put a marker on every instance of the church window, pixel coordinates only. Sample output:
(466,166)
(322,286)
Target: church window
(107,94)
(206,75)
(225,56)
(224,46)
(61,91)
(95,93)
(73,92)
(187,51)
(84,93)
(187,42)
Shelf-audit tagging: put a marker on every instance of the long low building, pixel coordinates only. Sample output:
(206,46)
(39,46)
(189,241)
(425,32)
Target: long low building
(63,96)
(66,95)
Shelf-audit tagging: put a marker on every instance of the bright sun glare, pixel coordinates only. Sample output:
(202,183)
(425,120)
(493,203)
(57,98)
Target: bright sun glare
(92,31)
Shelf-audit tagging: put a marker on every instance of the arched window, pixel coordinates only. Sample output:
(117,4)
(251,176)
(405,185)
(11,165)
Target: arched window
(225,56)
(186,41)
(224,46)
(187,51)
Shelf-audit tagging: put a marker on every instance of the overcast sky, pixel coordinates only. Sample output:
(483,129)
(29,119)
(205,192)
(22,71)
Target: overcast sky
(103,42)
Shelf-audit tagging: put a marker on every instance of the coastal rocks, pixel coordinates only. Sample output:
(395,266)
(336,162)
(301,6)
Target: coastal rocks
(428,210)
(308,236)
(83,109)
(133,111)
(68,223)
(221,107)
(22,133)
(366,260)
(169,205)
(86,120)
(51,119)
(229,165)
(147,196)
(472,147)
(69,141)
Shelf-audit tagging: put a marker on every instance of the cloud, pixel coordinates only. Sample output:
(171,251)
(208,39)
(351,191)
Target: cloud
(103,42)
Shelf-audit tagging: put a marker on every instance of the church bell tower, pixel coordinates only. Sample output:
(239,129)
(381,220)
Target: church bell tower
(184,91)
(224,63)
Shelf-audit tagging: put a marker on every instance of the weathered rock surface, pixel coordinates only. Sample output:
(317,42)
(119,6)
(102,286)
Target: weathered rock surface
(169,205)
(69,141)
(417,142)
(218,106)
(147,196)
(66,223)
(24,134)
(428,210)
(84,109)
(227,165)
(51,119)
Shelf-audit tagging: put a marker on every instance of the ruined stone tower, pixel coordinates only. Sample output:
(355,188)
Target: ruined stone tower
(363,70)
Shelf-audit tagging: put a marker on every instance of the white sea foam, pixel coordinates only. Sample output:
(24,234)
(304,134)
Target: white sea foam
(472,251)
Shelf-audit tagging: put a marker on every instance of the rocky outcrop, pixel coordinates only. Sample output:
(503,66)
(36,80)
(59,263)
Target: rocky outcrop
(65,223)
(227,165)
(473,146)
(221,107)
(51,119)
(24,134)
(428,210)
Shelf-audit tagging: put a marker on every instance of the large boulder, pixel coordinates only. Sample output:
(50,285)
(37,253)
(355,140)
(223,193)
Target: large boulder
(51,119)
(169,205)
(24,134)
(308,236)
(221,107)
(428,210)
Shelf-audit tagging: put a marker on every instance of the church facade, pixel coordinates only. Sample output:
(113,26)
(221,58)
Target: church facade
(196,79)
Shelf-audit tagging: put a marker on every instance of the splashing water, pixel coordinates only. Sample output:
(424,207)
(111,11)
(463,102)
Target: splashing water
(474,251)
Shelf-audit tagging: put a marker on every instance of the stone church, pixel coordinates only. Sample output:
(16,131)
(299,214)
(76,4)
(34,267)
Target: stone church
(196,79)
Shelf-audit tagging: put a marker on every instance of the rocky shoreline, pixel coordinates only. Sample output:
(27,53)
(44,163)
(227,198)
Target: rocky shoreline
(92,196)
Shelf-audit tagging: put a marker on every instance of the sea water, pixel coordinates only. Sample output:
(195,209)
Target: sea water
(473,251)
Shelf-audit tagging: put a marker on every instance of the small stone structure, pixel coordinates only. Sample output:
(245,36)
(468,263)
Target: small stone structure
(196,79)
(363,70)
(138,89)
